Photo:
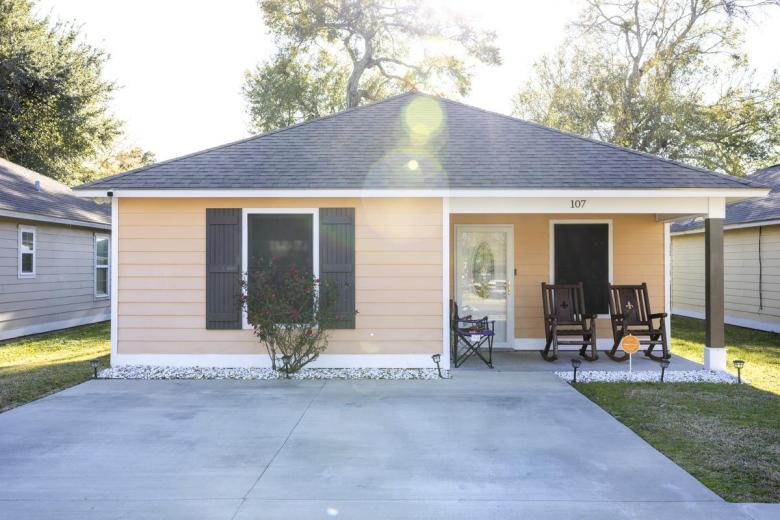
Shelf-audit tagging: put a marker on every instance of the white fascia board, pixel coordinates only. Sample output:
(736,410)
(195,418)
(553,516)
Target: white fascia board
(53,220)
(471,193)
(759,223)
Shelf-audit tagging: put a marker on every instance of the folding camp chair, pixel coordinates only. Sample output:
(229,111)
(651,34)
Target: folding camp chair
(629,310)
(566,322)
(470,337)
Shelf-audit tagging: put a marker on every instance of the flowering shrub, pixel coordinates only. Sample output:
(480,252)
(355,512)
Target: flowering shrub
(285,311)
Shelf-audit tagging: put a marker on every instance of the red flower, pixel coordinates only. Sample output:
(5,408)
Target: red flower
(295,313)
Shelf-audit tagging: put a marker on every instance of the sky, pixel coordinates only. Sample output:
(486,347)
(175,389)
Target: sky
(180,63)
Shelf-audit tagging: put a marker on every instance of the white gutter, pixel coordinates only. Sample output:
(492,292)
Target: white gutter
(735,194)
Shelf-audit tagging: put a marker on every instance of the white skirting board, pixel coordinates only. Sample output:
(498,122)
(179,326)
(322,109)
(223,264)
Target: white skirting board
(54,325)
(732,320)
(262,360)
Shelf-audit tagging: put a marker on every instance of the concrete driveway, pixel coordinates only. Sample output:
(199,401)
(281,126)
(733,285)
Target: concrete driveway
(481,445)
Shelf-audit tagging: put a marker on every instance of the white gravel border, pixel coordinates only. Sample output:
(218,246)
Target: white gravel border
(649,376)
(167,372)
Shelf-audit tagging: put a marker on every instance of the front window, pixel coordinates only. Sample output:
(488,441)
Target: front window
(581,254)
(102,250)
(288,238)
(27,243)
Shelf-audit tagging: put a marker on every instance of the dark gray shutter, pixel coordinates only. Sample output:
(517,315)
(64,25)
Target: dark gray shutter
(337,262)
(223,268)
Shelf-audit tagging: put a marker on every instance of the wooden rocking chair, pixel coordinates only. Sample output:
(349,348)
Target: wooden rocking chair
(629,309)
(565,319)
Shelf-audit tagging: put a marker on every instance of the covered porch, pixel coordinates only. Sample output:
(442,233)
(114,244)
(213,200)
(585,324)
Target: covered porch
(501,250)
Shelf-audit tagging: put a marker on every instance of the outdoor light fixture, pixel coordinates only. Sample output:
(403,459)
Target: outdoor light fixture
(95,364)
(738,364)
(664,366)
(436,358)
(575,364)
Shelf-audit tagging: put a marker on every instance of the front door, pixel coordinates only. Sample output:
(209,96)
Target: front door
(484,275)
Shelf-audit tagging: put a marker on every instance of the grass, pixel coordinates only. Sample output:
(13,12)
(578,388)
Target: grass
(760,350)
(35,366)
(727,436)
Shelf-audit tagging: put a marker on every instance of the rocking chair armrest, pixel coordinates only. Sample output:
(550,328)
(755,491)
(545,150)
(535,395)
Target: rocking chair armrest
(589,315)
(658,315)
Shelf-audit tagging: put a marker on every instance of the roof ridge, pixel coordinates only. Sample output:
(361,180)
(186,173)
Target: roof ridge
(745,182)
(97,182)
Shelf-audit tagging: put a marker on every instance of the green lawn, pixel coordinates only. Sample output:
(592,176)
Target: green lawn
(727,436)
(35,366)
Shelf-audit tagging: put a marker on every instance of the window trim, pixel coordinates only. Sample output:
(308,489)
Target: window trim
(315,238)
(34,231)
(610,240)
(107,267)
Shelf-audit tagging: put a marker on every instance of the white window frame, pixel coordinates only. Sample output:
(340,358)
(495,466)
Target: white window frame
(315,238)
(610,241)
(33,230)
(107,267)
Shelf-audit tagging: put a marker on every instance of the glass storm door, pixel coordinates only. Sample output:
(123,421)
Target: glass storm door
(484,269)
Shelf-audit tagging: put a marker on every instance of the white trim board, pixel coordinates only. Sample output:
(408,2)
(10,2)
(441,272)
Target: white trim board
(262,360)
(445,283)
(735,193)
(731,320)
(114,273)
(54,325)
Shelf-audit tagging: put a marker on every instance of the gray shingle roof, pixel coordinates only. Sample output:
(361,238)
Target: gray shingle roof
(452,145)
(754,210)
(54,201)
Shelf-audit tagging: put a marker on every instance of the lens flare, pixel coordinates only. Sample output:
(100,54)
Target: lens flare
(423,118)
(412,164)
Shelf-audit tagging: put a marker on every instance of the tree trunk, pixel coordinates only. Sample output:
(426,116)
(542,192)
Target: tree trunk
(353,85)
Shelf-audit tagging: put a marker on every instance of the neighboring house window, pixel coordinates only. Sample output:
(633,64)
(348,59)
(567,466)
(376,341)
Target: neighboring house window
(582,253)
(286,237)
(27,244)
(102,253)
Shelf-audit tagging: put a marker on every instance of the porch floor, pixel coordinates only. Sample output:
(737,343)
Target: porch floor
(531,361)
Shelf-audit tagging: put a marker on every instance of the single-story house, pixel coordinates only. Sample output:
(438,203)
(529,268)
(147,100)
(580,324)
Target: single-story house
(54,255)
(751,260)
(401,201)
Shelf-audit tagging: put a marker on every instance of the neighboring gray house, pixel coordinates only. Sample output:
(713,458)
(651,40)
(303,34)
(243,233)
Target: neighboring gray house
(751,260)
(54,255)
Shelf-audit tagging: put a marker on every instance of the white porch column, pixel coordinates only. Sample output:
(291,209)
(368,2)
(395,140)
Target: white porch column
(714,344)
(445,282)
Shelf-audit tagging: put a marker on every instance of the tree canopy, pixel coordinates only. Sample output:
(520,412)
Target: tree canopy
(336,54)
(54,103)
(667,77)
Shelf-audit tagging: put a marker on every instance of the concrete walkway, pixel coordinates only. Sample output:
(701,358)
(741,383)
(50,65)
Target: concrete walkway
(492,445)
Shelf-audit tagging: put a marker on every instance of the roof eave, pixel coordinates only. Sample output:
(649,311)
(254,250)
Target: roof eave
(35,217)
(734,194)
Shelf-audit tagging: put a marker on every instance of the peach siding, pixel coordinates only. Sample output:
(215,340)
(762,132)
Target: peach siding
(162,285)
(638,256)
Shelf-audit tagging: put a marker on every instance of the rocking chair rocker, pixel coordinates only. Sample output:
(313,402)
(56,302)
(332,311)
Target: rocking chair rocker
(565,319)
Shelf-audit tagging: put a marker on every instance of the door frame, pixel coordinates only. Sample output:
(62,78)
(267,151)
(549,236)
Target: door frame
(510,275)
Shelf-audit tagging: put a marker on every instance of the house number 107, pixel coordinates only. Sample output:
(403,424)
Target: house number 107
(578,203)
